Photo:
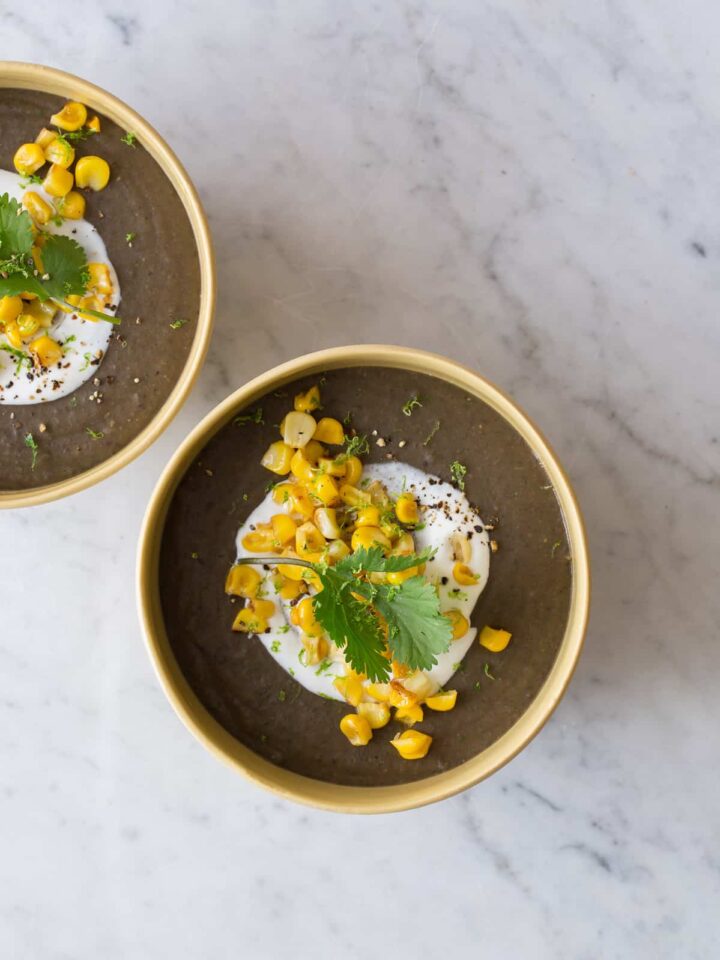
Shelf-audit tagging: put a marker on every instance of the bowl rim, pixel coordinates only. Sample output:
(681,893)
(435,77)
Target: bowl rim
(33,76)
(294,786)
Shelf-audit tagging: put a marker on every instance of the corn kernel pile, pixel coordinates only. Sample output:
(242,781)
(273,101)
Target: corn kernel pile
(23,318)
(331,512)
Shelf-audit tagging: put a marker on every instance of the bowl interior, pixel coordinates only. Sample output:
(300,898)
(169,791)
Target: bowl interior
(529,590)
(160,279)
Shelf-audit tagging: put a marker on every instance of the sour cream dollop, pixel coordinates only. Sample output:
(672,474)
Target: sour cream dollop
(85,341)
(444,511)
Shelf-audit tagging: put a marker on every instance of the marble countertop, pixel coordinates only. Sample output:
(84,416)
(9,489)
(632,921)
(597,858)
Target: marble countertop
(530,188)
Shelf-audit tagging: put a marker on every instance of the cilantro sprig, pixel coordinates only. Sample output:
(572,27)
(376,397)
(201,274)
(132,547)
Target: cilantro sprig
(64,262)
(355,611)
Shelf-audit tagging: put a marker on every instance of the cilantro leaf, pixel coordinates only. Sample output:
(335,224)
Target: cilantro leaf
(65,266)
(417,631)
(373,560)
(351,624)
(15,228)
(17,283)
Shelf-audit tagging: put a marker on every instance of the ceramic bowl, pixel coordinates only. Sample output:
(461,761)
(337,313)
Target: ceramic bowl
(166,274)
(232,694)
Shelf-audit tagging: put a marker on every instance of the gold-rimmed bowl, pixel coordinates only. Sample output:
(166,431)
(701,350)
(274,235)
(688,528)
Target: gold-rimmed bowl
(225,689)
(166,274)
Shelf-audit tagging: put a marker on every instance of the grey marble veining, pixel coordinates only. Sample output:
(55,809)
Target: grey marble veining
(532,189)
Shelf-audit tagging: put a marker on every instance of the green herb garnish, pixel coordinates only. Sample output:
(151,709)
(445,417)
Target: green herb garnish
(95,434)
(87,357)
(129,139)
(428,438)
(67,341)
(410,405)
(18,356)
(348,606)
(355,447)
(32,443)
(284,628)
(255,417)
(129,237)
(281,696)
(457,594)
(459,472)
(176,324)
(64,261)
(275,646)
(67,136)
(487,673)
(555,546)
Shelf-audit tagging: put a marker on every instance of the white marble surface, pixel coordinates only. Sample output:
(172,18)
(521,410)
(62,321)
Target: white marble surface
(532,188)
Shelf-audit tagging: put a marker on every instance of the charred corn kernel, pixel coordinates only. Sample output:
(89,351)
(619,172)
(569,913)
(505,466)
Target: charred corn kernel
(420,685)
(330,431)
(315,647)
(301,468)
(45,137)
(284,528)
(325,489)
(308,401)
(10,329)
(247,621)
(376,714)
(459,623)
(353,496)
(368,517)
(92,172)
(463,575)
(28,158)
(356,729)
(242,581)
(442,701)
(326,521)
(400,670)
(300,502)
(412,744)
(277,458)
(58,181)
(10,308)
(291,589)
(72,116)
(494,640)
(263,608)
(350,688)
(298,429)
(38,209)
(337,550)
(43,311)
(94,124)
(400,576)
(27,325)
(46,351)
(71,206)
(409,715)
(406,508)
(281,493)
(260,540)
(333,467)
(379,691)
(308,539)
(368,537)
(60,152)
(400,696)
(353,470)
(312,451)
(100,279)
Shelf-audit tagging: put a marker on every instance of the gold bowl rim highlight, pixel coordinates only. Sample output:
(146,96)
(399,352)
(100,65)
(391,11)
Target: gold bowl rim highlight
(294,786)
(32,76)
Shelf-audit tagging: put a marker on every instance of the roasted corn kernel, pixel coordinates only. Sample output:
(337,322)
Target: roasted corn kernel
(10,308)
(301,468)
(46,351)
(325,489)
(376,714)
(356,729)
(494,640)
(309,401)
(369,537)
(368,517)
(349,687)
(442,701)
(298,428)
(308,539)
(326,521)
(261,539)
(379,691)
(463,575)
(406,508)
(284,528)
(247,621)
(45,137)
(38,209)
(412,744)
(92,172)
(58,181)
(71,206)
(409,715)
(353,496)
(329,431)
(353,470)
(28,158)
(72,116)
(27,325)
(242,581)
(60,152)
(277,458)
(94,124)
(460,625)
